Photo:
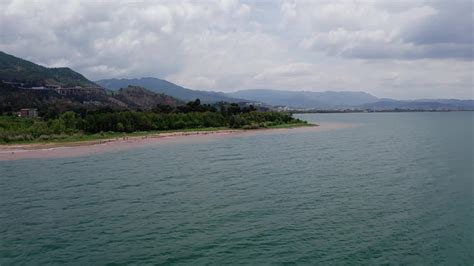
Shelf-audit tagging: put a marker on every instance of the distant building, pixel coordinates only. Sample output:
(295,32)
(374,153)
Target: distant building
(28,112)
(283,108)
(79,90)
(69,91)
(52,87)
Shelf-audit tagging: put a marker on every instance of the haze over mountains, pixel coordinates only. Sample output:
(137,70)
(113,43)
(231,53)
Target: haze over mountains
(421,104)
(162,86)
(307,99)
(332,100)
(144,93)
(328,100)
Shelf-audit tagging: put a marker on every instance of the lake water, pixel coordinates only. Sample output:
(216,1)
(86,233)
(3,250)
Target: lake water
(393,188)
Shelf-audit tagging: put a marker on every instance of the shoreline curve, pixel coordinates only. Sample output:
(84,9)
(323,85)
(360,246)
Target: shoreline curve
(11,152)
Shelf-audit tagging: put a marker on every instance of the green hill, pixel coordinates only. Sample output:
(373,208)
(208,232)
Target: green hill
(15,69)
(130,98)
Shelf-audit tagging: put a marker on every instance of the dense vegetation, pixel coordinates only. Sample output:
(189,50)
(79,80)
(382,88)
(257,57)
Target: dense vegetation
(193,115)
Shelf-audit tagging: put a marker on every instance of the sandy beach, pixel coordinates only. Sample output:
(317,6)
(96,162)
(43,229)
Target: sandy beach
(81,148)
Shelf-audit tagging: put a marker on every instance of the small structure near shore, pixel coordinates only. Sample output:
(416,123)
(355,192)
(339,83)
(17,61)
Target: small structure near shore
(28,112)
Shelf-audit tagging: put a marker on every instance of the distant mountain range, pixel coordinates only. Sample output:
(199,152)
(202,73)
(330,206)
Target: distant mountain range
(307,99)
(165,87)
(422,104)
(19,77)
(331,100)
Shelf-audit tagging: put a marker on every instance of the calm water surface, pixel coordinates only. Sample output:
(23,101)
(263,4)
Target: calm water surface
(397,189)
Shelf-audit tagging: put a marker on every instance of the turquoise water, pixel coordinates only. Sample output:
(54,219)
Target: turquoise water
(397,188)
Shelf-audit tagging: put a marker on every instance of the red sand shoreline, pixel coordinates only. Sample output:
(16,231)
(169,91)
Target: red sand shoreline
(73,149)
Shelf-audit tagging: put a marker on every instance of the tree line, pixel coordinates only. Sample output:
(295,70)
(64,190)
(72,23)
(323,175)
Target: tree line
(193,115)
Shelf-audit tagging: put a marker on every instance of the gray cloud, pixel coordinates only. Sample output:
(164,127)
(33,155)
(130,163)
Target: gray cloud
(401,49)
(452,24)
(400,30)
(410,51)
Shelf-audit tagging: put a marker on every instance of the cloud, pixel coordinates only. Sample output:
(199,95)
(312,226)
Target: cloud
(364,29)
(295,70)
(128,38)
(453,24)
(399,48)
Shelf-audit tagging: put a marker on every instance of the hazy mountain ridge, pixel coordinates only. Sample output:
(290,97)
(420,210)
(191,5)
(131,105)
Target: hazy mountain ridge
(331,100)
(168,88)
(307,99)
(422,104)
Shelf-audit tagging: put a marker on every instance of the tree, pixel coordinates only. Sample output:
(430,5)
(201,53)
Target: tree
(69,120)
(162,108)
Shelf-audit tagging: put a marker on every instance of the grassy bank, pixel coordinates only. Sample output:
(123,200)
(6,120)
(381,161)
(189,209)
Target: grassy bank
(84,137)
(107,123)
(78,137)
(81,137)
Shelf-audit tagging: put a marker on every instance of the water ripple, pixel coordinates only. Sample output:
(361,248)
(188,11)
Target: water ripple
(395,190)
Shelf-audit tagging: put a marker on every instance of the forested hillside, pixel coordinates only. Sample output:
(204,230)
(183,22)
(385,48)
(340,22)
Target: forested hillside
(18,70)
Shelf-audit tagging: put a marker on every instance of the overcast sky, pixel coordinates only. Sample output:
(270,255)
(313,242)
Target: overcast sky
(396,48)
